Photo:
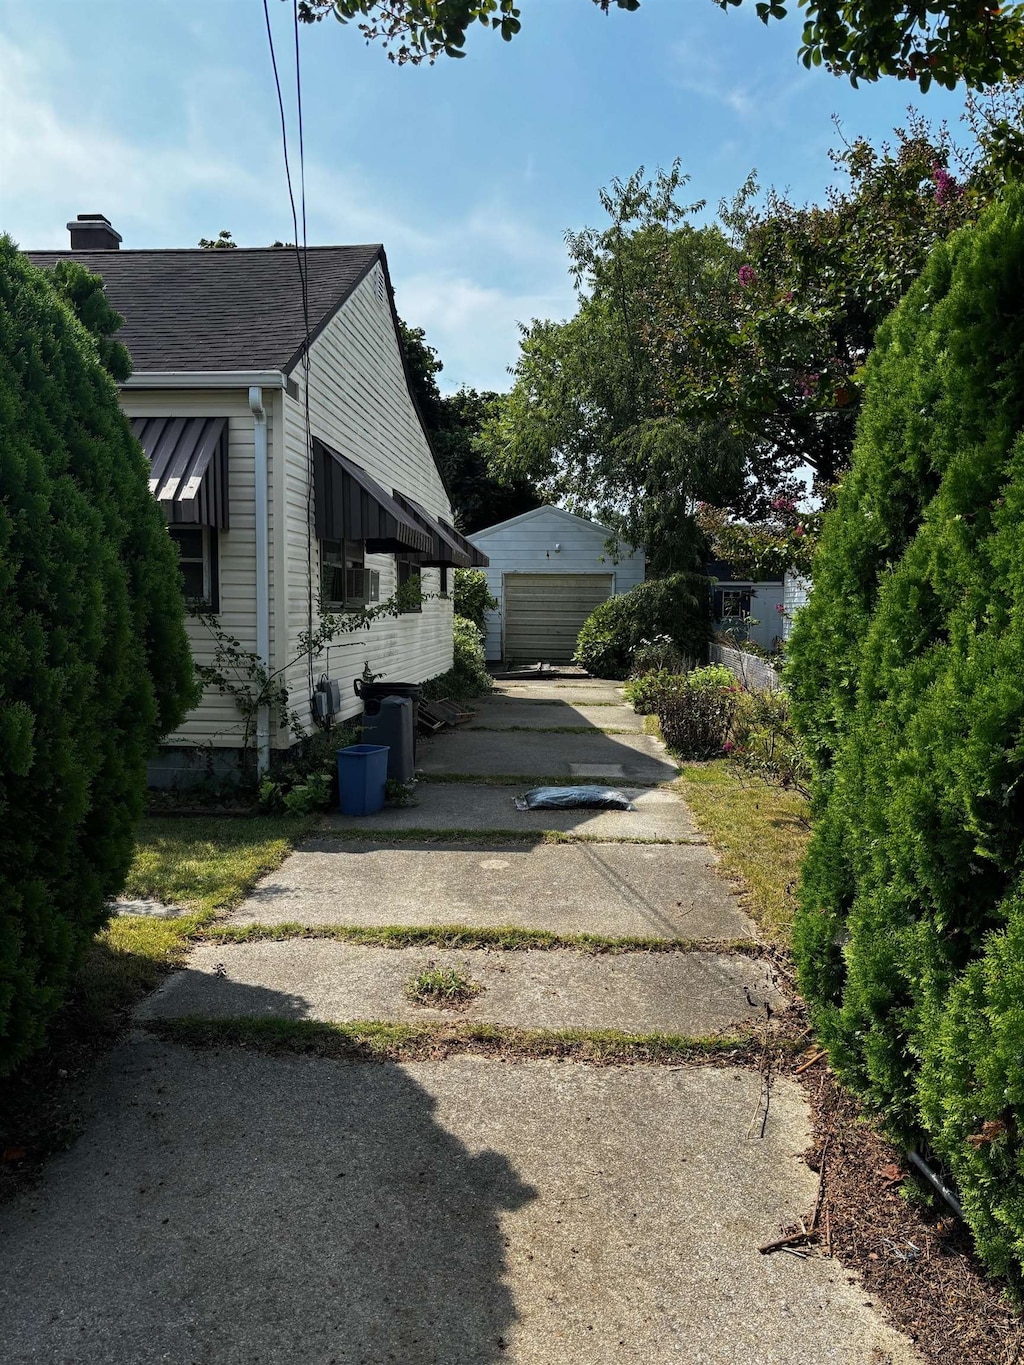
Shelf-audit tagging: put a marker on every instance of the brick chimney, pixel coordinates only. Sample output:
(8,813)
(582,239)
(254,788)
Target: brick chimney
(92,232)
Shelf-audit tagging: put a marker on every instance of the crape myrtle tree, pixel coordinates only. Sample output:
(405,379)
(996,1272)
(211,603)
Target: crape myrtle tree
(945,41)
(906,670)
(94,661)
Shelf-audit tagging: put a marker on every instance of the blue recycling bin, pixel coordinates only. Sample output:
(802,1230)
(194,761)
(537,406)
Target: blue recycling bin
(362,776)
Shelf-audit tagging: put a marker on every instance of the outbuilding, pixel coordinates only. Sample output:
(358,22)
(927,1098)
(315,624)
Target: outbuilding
(548,570)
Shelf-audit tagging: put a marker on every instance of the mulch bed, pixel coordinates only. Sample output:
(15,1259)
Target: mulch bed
(914,1261)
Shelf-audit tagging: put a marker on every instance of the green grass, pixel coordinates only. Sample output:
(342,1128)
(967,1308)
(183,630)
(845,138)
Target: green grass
(442,987)
(761,832)
(430,835)
(206,864)
(376,1042)
(459,936)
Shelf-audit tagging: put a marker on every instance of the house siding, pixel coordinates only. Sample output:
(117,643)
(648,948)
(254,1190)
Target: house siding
(795,591)
(526,545)
(360,405)
(215,721)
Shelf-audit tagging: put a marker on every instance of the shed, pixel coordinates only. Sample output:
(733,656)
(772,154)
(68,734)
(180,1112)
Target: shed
(548,570)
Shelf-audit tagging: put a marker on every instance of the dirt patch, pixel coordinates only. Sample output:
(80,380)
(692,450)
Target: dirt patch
(915,1262)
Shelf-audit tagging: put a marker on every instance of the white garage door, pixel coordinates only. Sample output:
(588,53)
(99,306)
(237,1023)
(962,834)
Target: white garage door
(544,613)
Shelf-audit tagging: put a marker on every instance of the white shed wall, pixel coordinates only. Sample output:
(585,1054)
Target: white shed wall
(359,403)
(527,545)
(795,592)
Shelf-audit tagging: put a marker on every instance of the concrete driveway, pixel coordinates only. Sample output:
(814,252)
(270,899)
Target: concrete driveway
(229,1206)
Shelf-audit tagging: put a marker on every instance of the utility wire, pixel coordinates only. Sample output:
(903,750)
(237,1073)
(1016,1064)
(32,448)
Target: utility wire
(300,245)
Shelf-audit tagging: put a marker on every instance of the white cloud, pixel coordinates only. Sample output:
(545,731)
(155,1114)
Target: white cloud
(214,161)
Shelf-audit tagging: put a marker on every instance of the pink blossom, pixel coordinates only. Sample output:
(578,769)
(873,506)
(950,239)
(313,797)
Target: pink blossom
(779,607)
(781,504)
(728,746)
(798,531)
(747,275)
(946,187)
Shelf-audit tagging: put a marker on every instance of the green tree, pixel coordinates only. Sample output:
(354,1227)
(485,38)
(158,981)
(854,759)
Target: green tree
(454,422)
(905,670)
(945,41)
(602,412)
(223,241)
(94,661)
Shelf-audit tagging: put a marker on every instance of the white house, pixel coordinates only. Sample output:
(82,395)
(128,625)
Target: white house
(283,476)
(548,570)
(745,609)
(796,589)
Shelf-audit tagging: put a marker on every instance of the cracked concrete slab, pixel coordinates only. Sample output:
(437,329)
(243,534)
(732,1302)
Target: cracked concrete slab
(655,890)
(639,758)
(254,1210)
(446,806)
(691,994)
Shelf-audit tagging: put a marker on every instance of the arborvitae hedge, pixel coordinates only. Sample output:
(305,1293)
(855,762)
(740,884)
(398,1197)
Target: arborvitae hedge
(907,667)
(678,607)
(94,662)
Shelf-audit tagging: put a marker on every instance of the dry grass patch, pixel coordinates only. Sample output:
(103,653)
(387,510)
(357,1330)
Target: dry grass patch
(761,833)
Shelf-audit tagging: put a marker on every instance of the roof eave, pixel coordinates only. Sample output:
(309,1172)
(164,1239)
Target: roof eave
(205,379)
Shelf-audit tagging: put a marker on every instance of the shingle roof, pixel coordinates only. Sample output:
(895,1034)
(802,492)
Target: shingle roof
(220,310)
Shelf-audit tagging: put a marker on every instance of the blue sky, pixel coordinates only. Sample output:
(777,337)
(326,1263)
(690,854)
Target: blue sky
(163,115)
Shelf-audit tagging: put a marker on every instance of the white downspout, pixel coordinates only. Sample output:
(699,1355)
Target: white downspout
(262,568)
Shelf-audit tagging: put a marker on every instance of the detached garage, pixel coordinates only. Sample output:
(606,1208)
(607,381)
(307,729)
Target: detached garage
(549,569)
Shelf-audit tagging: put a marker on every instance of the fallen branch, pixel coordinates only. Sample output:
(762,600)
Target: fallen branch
(808,1064)
(794,1239)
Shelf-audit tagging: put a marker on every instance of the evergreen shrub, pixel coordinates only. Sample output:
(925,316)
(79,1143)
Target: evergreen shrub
(678,607)
(907,668)
(94,662)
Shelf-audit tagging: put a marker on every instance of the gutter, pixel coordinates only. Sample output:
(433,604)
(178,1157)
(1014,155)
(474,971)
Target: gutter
(259,415)
(205,379)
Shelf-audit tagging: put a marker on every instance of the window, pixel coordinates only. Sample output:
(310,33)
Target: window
(408,572)
(198,559)
(445,585)
(345,581)
(734,604)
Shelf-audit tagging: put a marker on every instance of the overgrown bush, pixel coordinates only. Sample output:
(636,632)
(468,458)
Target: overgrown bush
(471,596)
(906,666)
(94,663)
(696,717)
(468,676)
(677,607)
(659,654)
(645,693)
(695,723)
(765,743)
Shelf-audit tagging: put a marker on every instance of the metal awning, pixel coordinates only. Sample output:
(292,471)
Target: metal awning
(445,551)
(349,505)
(188,467)
(477,558)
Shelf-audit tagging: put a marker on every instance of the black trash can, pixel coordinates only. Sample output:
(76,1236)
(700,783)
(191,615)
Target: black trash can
(372,694)
(375,690)
(391,722)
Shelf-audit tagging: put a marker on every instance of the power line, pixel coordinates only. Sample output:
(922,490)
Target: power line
(301,247)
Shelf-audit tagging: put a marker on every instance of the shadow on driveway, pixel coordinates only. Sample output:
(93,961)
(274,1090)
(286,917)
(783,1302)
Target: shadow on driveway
(235,1207)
